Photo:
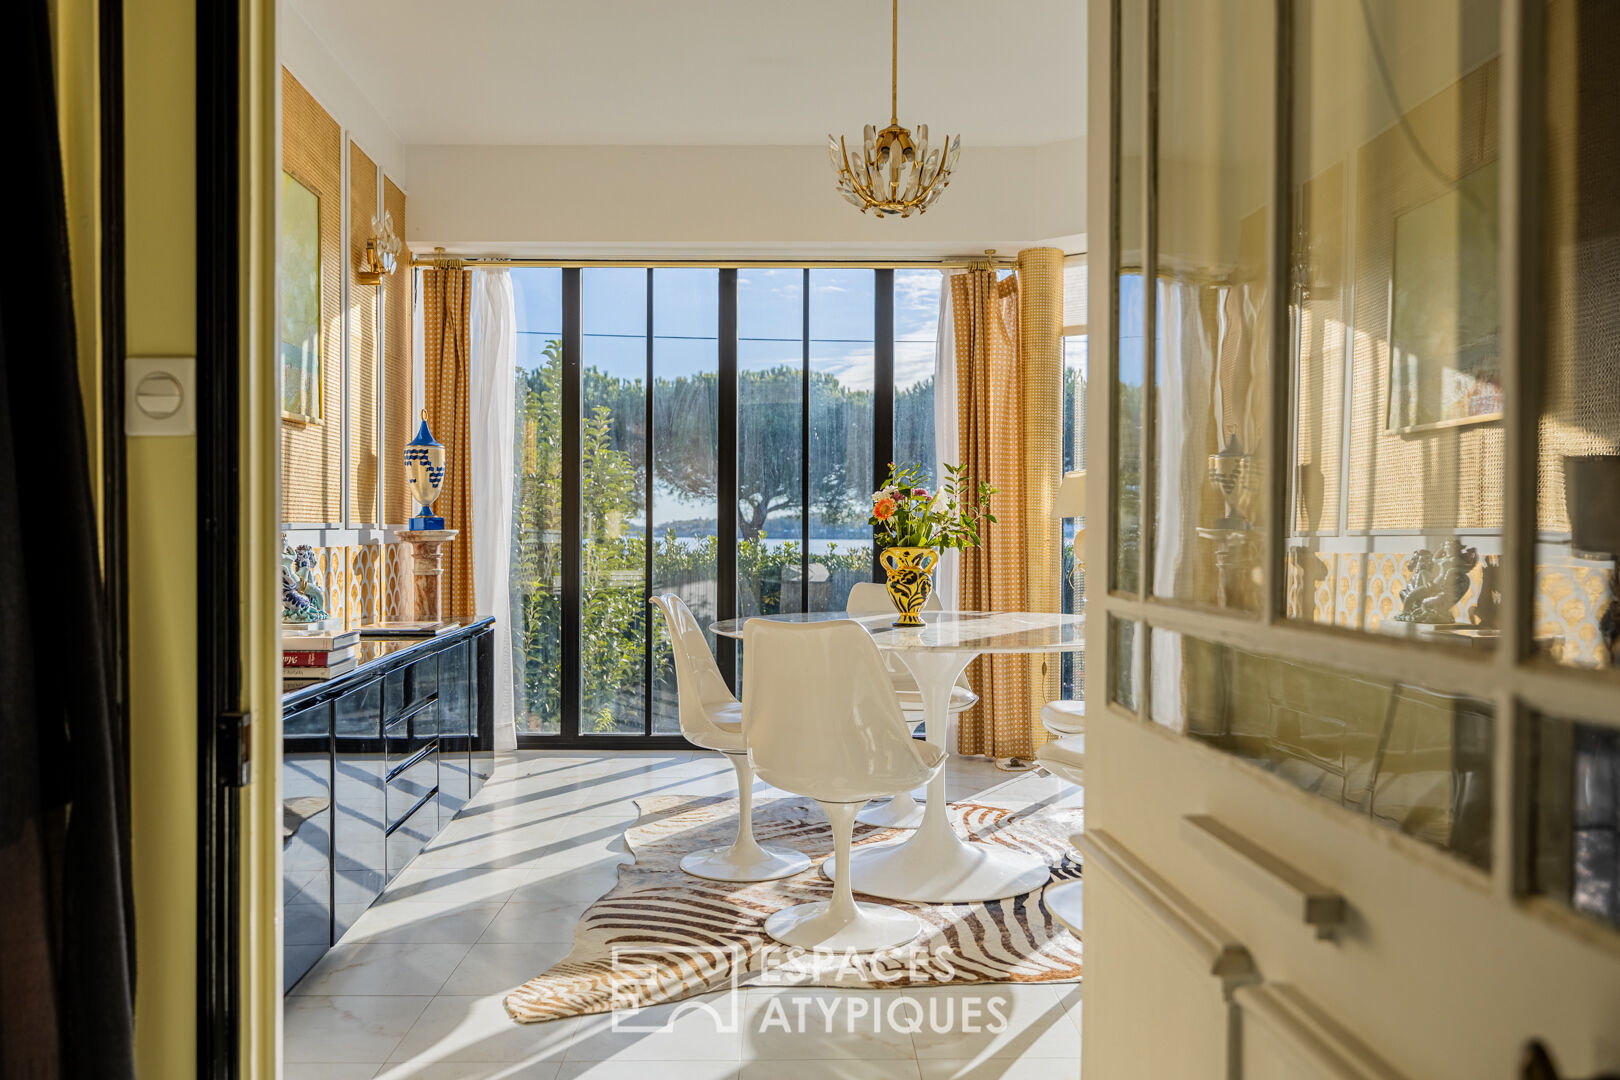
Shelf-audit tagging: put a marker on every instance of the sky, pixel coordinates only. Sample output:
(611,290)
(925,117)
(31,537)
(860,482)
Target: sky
(770,318)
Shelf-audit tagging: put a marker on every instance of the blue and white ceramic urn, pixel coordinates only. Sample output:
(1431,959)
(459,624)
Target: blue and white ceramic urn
(424,474)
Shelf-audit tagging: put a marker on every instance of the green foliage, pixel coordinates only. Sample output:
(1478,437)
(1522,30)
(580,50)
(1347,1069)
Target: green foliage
(614,616)
(904,514)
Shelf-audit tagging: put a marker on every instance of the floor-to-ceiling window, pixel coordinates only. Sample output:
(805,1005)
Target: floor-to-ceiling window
(711,433)
(1074,453)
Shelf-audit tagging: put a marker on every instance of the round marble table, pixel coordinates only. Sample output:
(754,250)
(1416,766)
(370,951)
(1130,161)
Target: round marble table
(933,864)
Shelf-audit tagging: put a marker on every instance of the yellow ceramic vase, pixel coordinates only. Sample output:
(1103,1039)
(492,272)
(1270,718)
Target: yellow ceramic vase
(911,580)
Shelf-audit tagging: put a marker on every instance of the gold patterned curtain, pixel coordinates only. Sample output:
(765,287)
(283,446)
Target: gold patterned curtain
(447,330)
(990,415)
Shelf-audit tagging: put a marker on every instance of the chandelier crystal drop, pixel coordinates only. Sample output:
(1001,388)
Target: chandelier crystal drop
(892,172)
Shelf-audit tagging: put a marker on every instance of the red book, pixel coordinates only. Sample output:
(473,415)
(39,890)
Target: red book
(308,658)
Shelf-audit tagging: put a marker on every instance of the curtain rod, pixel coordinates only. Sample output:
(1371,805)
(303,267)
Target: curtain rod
(979,263)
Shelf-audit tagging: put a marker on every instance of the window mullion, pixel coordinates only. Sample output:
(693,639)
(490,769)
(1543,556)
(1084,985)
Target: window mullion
(726,468)
(804,448)
(571,408)
(883,386)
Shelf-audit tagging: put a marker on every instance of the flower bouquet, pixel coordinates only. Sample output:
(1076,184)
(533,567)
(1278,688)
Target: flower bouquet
(912,526)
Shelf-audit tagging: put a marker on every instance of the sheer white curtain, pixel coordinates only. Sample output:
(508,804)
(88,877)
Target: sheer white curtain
(494,358)
(948,575)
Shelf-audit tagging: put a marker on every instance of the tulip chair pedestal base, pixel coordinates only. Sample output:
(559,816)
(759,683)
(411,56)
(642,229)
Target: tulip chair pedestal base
(934,865)
(900,812)
(730,864)
(745,860)
(865,928)
(1065,902)
(840,923)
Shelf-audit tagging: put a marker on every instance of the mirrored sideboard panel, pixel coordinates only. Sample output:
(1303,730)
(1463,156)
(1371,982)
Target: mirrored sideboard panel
(374,764)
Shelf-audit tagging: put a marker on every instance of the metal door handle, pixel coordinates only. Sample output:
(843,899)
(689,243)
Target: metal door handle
(1537,1064)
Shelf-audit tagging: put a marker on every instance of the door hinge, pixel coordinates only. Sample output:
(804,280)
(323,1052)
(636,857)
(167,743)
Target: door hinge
(235,759)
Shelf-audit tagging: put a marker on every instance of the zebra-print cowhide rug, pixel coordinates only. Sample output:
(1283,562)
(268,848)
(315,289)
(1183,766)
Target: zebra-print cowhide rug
(661,935)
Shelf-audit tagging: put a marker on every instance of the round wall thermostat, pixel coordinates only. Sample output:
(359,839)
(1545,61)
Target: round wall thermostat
(160,395)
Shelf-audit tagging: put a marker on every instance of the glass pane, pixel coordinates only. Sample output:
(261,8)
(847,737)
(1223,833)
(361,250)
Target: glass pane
(916,339)
(1396,479)
(770,425)
(686,402)
(1575,838)
(536,576)
(841,410)
(1074,459)
(613,502)
(1125,647)
(1414,759)
(1577,613)
(1212,342)
(1128,326)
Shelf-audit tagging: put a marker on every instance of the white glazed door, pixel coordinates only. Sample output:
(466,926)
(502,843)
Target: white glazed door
(1354,792)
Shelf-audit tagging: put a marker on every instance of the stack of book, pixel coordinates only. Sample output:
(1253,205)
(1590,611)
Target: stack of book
(318,656)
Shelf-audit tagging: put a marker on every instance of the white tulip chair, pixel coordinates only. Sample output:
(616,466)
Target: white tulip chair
(1065,756)
(712,718)
(872,598)
(821,720)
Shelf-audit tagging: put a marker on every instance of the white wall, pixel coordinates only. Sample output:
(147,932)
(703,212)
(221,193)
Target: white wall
(303,54)
(717,201)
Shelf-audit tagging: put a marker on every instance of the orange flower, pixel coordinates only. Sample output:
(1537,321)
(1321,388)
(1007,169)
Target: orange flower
(883,509)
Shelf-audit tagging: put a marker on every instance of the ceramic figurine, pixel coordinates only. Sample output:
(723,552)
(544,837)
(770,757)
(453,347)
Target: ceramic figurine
(424,475)
(302,601)
(1437,582)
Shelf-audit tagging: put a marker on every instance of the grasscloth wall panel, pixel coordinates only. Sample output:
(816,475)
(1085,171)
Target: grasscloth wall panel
(311,454)
(363,367)
(397,416)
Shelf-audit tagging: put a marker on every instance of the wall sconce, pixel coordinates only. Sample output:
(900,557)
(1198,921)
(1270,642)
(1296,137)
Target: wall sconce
(382,252)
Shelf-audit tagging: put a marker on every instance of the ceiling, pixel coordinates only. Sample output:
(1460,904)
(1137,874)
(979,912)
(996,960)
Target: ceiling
(708,72)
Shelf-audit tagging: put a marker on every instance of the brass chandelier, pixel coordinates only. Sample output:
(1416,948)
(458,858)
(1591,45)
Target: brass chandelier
(893,173)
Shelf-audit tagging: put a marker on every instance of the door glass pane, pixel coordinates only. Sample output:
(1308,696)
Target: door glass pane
(1128,325)
(686,401)
(536,575)
(1212,341)
(841,409)
(1396,479)
(1125,649)
(613,502)
(1577,610)
(1575,838)
(1414,759)
(916,340)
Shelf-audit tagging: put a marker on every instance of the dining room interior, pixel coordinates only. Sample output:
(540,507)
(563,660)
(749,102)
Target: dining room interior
(611,558)
(551,444)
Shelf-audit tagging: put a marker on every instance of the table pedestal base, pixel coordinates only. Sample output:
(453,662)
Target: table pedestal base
(934,865)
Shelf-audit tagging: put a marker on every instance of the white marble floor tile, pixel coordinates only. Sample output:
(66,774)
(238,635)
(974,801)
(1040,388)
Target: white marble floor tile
(1001,1069)
(782,1023)
(829,1069)
(995,1021)
(347,1029)
(637,1070)
(296,1070)
(699,1029)
(524,923)
(470,1070)
(476,1028)
(579,883)
(455,885)
(381,970)
(501,968)
(411,922)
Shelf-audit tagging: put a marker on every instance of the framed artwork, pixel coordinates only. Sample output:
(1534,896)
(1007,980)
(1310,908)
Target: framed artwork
(1444,356)
(298,268)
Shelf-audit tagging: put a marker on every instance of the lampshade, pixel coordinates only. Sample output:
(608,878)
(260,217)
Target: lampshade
(1071,496)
